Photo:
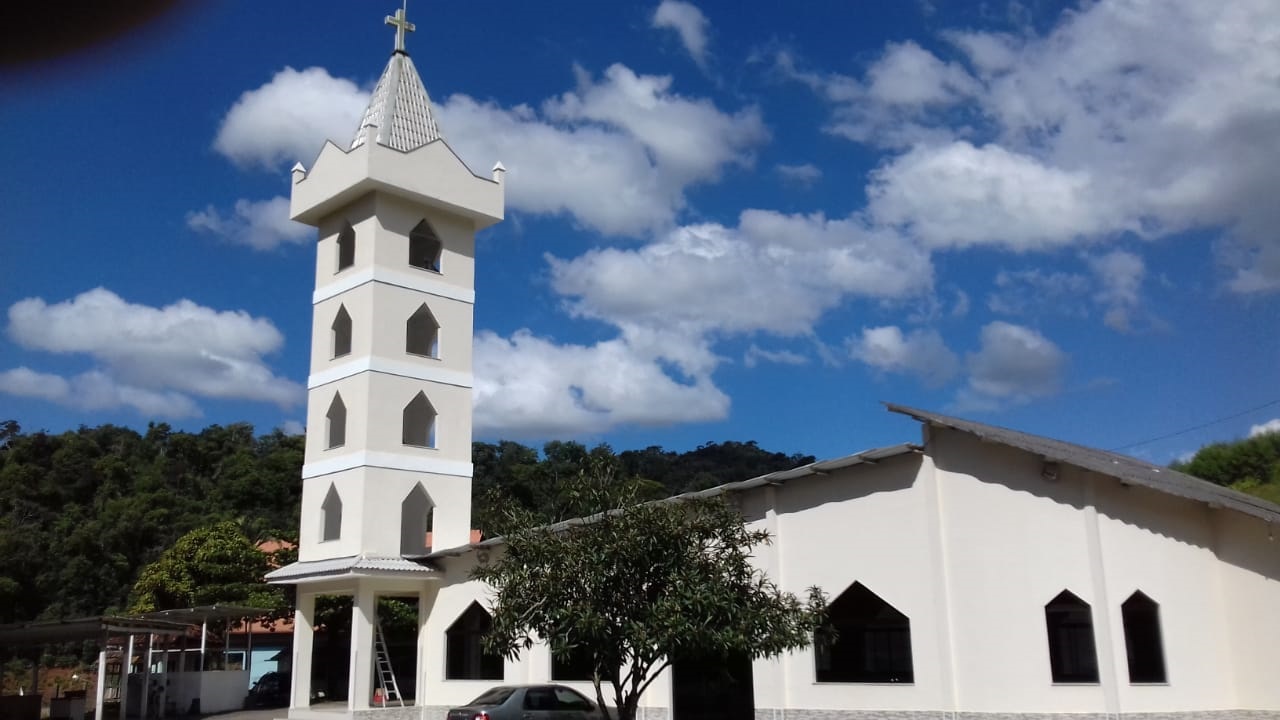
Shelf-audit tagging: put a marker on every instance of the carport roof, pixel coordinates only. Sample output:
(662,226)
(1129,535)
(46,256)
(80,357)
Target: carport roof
(89,628)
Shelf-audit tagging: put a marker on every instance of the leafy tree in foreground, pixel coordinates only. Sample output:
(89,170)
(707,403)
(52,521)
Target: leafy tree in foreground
(209,565)
(639,586)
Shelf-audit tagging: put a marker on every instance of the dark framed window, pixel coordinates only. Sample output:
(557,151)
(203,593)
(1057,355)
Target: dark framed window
(872,641)
(346,247)
(1143,644)
(425,247)
(465,658)
(331,516)
(1073,657)
(577,665)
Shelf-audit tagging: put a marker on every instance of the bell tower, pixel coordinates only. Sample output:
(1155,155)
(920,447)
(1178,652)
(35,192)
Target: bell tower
(387,471)
(388,453)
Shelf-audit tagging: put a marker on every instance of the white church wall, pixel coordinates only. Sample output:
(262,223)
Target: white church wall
(1163,546)
(358,303)
(398,217)
(350,488)
(354,391)
(452,404)
(1013,542)
(396,305)
(1249,572)
(360,216)
(866,524)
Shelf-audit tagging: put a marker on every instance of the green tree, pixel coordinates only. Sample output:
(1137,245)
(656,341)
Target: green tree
(637,587)
(209,565)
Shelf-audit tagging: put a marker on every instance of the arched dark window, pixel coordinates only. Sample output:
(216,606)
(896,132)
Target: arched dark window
(872,644)
(419,422)
(415,522)
(465,658)
(331,516)
(422,333)
(341,332)
(425,247)
(337,422)
(346,247)
(1073,657)
(1142,640)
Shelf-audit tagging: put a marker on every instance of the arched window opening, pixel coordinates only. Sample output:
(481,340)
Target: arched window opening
(346,247)
(415,522)
(341,332)
(1073,657)
(872,644)
(425,247)
(465,658)
(337,422)
(1143,643)
(422,333)
(419,422)
(331,516)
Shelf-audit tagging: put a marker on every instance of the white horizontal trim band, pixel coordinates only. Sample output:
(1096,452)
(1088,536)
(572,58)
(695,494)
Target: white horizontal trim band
(390,461)
(413,370)
(423,281)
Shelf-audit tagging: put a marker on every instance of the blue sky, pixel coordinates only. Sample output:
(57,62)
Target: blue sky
(725,221)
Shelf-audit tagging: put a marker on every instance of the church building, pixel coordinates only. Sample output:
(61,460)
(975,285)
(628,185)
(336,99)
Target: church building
(974,572)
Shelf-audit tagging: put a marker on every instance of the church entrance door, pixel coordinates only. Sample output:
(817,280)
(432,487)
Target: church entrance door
(712,689)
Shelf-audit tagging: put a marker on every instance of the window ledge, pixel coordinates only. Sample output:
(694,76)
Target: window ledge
(426,269)
(335,447)
(341,355)
(887,684)
(424,357)
(1150,684)
(1083,683)
(420,447)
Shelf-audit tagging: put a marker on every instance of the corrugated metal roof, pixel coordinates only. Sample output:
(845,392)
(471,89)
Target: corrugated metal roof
(822,467)
(1124,468)
(400,108)
(351,565)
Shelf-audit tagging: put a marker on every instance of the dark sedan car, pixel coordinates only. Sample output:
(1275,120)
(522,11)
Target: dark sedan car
(529,702)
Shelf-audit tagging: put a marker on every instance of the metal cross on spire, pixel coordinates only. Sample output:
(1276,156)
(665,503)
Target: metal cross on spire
(402,26)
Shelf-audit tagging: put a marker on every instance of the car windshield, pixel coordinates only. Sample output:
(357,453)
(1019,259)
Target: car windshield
(493,696)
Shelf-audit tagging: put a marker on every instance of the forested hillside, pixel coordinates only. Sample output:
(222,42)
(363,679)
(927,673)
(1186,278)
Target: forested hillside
(82,512)
(1251,465)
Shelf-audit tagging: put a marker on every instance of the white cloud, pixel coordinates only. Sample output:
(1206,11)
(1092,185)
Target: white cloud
(804,175)
(293,427)
(531,386)
(1034,292)
(1150,118)
(1013,364)
(262,225)
(756,355)
(773,273)
(616,154)
(95,390)
(625,137)
(1119,275)
(150,359)
(1270,426)
(688,22)
(958,195)
(922,353)
(288,119)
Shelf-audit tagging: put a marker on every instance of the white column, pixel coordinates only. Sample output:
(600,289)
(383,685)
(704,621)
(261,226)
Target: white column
(303,642)
(364,609)
(125,666)
(102,682)
(146,676)
(426,658)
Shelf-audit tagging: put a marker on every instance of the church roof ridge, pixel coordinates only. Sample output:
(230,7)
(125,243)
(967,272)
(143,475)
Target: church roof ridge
(399,107)
(1125,468)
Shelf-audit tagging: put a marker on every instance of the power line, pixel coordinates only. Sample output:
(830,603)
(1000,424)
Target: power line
(1201,426)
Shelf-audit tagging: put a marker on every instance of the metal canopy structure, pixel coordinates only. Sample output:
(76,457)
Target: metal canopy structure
(91,628)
